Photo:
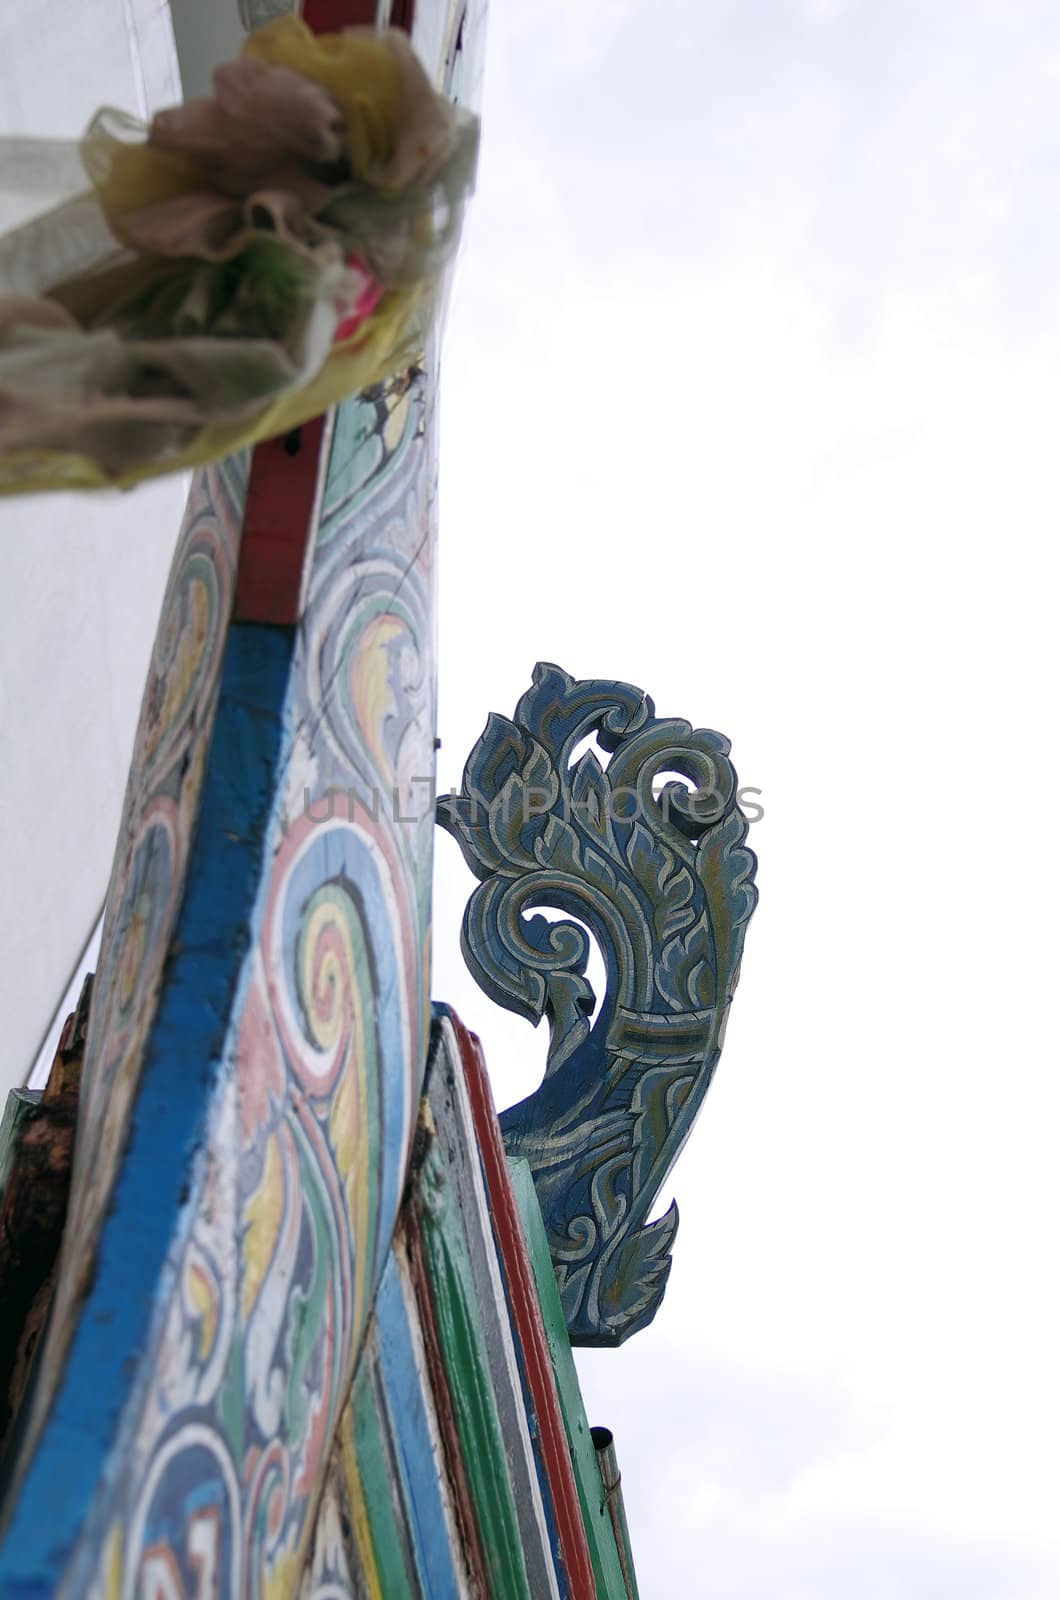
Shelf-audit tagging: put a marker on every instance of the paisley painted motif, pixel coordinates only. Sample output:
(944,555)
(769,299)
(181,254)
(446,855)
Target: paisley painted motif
(272,1290)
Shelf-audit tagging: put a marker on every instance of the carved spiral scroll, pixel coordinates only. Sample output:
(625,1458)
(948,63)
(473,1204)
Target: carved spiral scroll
(657,869)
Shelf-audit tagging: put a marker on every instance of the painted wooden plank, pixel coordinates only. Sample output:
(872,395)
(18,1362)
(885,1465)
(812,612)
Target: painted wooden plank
(445,1405)
(378,1533)
(386,1536)
(607,1566)
(460,1333)
(544,1483)
(527,1320)
(428,1510)
(455,1132)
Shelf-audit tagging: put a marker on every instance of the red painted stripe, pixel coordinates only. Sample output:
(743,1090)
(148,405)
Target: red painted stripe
(278,516)
(527,1315)
(277,522)
(330,16)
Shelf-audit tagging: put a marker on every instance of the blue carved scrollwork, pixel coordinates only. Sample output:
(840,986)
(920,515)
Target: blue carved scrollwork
(657,869)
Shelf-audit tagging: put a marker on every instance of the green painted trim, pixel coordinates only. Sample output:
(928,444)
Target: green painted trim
(607,1567)
(464,1353)
(378,1482)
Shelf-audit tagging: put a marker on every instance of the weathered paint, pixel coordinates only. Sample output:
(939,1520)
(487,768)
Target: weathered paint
(370,1476)
(607,1567)
(458,1144)
(454,1465)
(429,1515)
(427,1465)
(272,1289)
(402,1529)
(388,1496)
(427,1452)
(559,1488)
(460,1334)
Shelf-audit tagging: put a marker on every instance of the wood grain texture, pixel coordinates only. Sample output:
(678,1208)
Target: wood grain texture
(376,1531)
(436,1442)
(427,1451)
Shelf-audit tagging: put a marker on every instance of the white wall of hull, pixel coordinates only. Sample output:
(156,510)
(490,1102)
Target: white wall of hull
(81,576)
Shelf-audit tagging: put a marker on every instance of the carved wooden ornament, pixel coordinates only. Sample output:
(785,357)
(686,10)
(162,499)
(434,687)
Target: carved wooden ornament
(658,871)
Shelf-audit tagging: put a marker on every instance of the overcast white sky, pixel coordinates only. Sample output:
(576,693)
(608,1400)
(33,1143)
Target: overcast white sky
(751,398)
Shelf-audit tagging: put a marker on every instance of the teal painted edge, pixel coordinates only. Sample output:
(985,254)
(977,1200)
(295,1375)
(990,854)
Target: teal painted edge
(464,1353)
(603,1550)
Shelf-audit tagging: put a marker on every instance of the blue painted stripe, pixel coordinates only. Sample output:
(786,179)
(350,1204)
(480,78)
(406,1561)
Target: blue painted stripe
(548,1504)
(150,1205)
(425,1511)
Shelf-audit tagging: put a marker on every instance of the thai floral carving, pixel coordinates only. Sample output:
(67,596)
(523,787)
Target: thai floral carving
(648,854)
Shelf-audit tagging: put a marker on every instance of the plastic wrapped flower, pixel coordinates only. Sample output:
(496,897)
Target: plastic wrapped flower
(238,266)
